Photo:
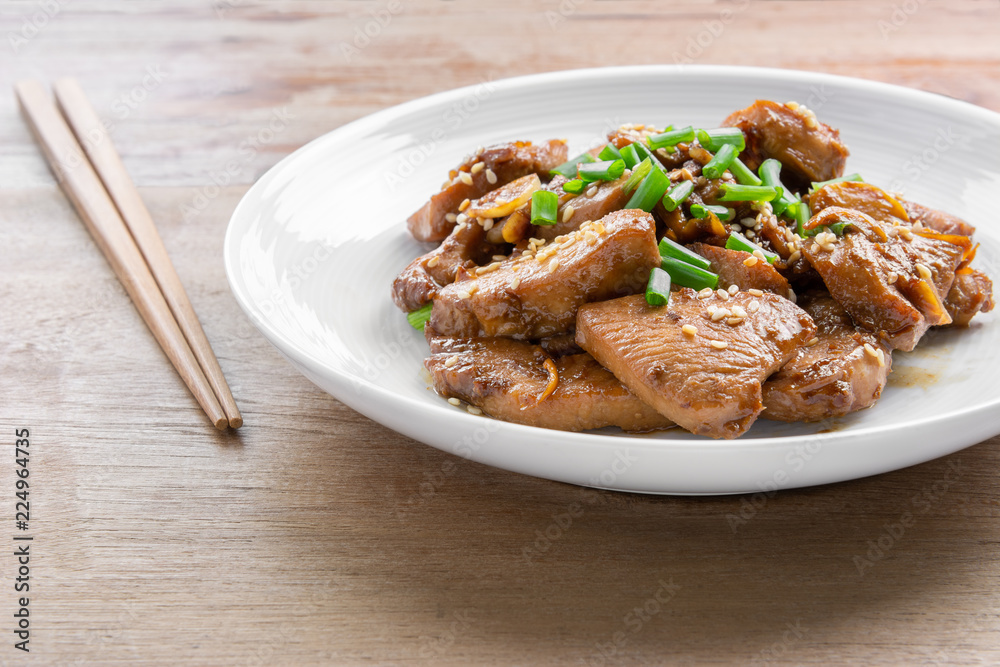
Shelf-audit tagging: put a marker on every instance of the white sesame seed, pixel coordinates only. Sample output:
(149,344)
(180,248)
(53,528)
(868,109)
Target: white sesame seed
(462,218)
(748,222)
(450,217)
(434,261)
(733,321)
(736,228)
(568,213)
(753,306)
(881,358)
(917,226)
(733,289)
(491,177)
(794,257)
(924,272)
(515,282)
(553,265)
(499,258)
(753,291)
(719,344)
(591,191)
(759,254)
(892,277)
(473,410)
(462,294)
(722,294)
(465,177)
(738,311)
(478,167)
(870,351)
(705,293)
(690,330)
(454,401)
(791,295)
(487,223)
(451,361)
(465,203)
(750,261)
(812,341)
(720,314)
(750,235)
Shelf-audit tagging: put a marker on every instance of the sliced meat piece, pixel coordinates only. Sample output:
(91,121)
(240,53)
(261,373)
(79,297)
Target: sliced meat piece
(506,162)
(732,270)
(506,378)
(889,279)
(843,371)
(971,293)
(417,284)
(939,221)
(865,197)
(537,293)
(807,149)
(708,381)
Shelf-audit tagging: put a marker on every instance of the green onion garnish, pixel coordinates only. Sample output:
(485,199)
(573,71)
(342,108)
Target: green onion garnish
(631,156)
(568,168)
(677,194)
(670,138)
(650,191)
(849,177)
(418,318)
(645,153)
(675,250)
(801,213)
(743,173)
(738,192)
(658,287)
(687,275)
(770,173)
(721,212)
(574,187)
(737,241)
(714,139)
(720,162)
(837,228)
(544,207)
(609,152)
(638,174)
(607,170)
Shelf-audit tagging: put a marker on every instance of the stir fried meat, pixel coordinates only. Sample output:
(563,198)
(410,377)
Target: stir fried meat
(502,164)
(809,150)
(533,308)
(843,370)
(518,382)
(889,279)
(537,292)
(700,362)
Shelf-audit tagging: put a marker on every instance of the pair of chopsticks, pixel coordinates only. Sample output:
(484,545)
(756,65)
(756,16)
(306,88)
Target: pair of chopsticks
(95,180)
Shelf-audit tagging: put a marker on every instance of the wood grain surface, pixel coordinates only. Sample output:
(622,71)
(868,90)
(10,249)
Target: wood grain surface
(315,536)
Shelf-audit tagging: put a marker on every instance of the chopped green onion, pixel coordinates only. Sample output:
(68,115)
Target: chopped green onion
(770,173)
(677,194)
(608,170)
(687,275)
(841,179)
(737,192)
(801,215)
(638,174)
(658,287)
(645,153)
(721,212)
(743,173)
(631,156)
(675,250)
(574,187)
(837,228)
(568,168)
(670,138)
(714,139)
(609,152)
(650,191)
(737,241)
(544,208)
(418,318)
(720,162)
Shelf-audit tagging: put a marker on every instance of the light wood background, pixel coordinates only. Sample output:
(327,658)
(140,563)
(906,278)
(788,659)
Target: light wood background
(315,536)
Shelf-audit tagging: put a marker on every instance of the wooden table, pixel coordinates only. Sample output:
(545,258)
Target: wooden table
(315,536)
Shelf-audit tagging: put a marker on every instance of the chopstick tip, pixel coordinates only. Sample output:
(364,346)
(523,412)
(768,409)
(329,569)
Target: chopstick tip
(236,422)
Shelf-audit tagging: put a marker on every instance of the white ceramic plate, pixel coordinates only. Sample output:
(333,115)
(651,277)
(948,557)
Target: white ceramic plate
(313,247)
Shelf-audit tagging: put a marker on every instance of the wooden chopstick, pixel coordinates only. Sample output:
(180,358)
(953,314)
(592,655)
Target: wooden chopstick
(85,190)
(90,132)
